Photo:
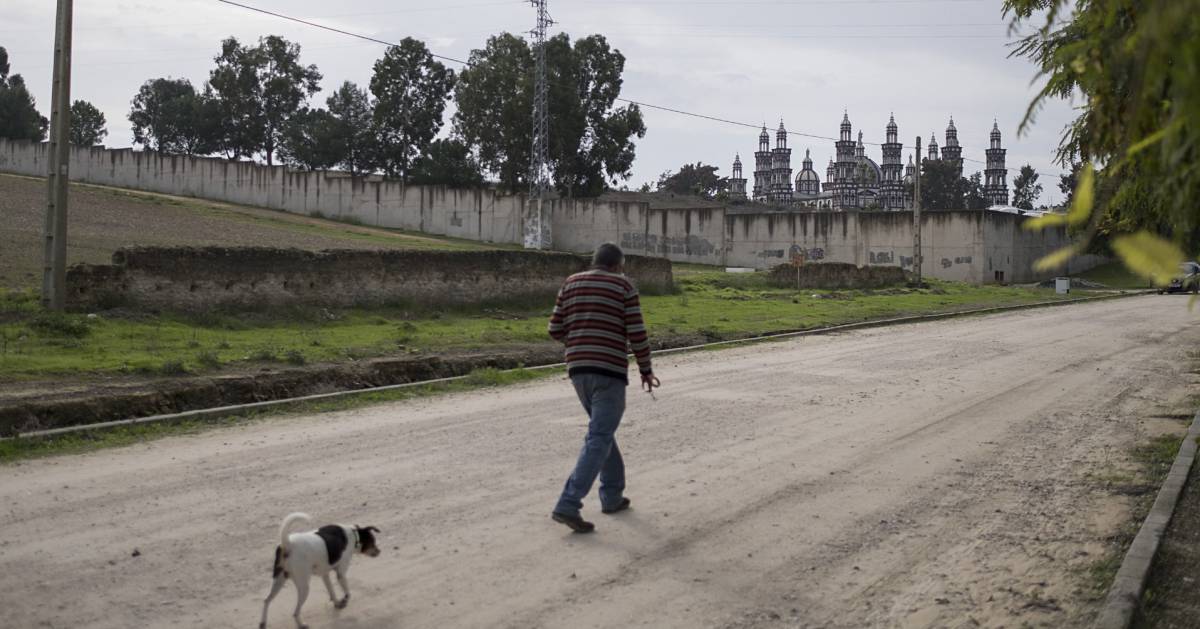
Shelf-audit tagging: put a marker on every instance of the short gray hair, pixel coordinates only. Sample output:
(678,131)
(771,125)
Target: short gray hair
(608,256)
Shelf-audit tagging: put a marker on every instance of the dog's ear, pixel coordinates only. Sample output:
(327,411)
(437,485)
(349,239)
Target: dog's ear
(372,528)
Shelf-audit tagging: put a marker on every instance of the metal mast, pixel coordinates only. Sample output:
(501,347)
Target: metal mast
(537,223)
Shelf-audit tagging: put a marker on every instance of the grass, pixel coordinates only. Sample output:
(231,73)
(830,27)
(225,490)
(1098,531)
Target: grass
(1114,275)
(16,450)
(1153,460)
(709,305)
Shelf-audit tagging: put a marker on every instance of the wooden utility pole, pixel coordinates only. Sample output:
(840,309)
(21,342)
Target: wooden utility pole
(917,217)
(54,274)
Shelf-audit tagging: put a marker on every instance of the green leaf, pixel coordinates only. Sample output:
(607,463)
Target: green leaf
(1150,256)
(1044,221)
(1085,195)
(1153,138)
(1056,259)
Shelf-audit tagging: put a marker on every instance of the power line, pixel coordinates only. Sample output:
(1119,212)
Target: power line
(624,100)
(330,28)
(143,25)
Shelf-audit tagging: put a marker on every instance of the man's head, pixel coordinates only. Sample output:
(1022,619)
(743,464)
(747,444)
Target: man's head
(608,257)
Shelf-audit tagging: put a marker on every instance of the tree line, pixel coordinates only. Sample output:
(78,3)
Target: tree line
(20,119)
(257,104)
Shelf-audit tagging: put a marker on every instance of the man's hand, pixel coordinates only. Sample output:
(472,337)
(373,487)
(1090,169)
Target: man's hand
(650,382)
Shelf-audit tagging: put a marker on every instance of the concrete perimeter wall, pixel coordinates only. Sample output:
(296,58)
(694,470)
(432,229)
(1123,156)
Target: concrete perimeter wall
(970,246)
(481,214)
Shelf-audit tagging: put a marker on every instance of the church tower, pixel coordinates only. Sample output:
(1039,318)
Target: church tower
(762,166)
(952,152)
(830,175)
(846,192)
(781,168)
(995,189)
(933,149)
(737,183)
(892,188)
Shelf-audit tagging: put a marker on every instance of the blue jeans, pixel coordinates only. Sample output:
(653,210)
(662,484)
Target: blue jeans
(603,398)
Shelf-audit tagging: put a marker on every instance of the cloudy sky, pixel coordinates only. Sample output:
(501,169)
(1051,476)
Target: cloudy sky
(804,61)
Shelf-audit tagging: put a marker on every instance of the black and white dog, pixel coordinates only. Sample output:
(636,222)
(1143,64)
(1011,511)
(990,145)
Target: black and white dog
(300,555)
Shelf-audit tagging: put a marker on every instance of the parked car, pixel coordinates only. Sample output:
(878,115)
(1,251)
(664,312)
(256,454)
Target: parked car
(1187,281)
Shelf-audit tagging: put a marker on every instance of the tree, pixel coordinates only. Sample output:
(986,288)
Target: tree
(1067,183)
(590,140)
(1134,63)
(237,92)
(19,117)
(941,185)
(591,144)
(493,97)
(258,88)
(694,179)
(973,198)
(168,116)
(410,89)
(447,163)
(312,139)
(1026,189)
(352,108)
(87,124)
(286,86)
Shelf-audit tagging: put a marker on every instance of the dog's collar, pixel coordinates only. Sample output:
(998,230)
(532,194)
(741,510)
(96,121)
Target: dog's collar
(357,542)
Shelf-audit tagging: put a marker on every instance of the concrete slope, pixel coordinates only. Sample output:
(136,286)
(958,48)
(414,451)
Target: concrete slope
(936,474)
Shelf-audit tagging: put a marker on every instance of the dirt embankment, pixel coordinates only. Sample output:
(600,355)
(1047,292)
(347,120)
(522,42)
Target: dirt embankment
(43,405)
(40,405)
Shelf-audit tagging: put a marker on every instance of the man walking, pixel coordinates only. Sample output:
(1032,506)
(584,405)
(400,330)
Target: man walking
(598,317)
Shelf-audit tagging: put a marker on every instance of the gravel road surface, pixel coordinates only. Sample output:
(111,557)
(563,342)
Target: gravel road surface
(940,474)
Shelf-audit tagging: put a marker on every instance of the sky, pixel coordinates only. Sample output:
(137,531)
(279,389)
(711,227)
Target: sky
(757,61)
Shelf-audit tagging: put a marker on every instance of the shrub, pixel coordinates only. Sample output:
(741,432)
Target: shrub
(295,357)
(173,368)
(208,359)
(265,354)
(60,325)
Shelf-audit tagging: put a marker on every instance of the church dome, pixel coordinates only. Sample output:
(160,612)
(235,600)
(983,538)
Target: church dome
(869,173)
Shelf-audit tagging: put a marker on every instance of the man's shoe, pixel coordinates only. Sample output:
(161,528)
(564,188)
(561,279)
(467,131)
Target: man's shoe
(621,506)
(574,522)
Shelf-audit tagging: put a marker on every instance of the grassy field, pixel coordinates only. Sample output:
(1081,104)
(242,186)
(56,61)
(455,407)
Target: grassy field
(1114,275)
(103,220)
(709,304)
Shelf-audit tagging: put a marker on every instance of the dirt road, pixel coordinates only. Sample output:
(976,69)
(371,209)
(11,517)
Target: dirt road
(939,474)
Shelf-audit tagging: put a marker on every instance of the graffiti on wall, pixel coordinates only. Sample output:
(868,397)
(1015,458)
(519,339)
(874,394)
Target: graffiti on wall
(882,257)
(947,262)
(797,252)
(667,245)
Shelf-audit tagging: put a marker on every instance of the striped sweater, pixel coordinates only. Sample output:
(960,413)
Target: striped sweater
(598,317)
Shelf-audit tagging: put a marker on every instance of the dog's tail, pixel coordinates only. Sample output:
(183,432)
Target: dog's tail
(287,524)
